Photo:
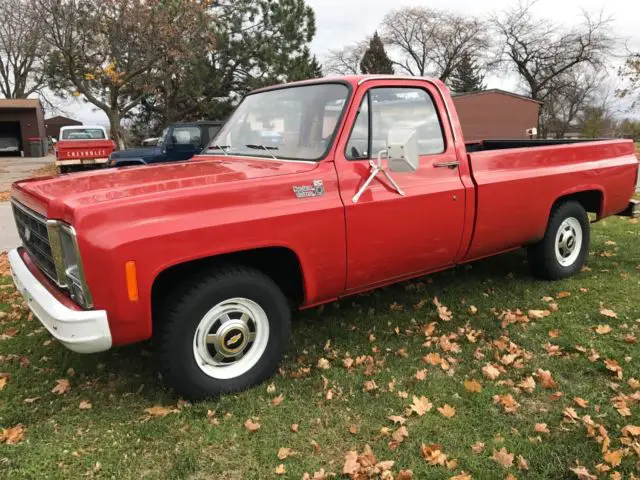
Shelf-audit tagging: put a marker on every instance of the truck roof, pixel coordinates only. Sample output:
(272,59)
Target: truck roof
(82,127)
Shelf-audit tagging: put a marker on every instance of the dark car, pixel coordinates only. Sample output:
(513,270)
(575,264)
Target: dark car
(179,141)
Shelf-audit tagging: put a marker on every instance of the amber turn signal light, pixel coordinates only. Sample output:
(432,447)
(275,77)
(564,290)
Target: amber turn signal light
(132,280)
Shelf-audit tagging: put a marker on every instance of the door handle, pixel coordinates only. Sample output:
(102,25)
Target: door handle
(451,165)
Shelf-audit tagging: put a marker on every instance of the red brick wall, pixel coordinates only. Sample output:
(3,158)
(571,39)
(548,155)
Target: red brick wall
(495,115)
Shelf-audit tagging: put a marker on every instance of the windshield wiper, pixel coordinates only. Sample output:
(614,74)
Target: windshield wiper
(265,148)
(219,147)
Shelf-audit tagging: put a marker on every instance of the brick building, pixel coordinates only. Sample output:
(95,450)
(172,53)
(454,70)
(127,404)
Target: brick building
(22,125)
(496,114)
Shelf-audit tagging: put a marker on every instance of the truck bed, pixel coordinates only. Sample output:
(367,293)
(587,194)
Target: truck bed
(517,182)
(484,145)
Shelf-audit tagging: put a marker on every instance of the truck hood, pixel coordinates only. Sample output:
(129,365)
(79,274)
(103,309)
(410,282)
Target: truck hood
(55,197)
(144,152)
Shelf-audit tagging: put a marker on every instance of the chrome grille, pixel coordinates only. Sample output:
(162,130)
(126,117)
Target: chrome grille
(32,229)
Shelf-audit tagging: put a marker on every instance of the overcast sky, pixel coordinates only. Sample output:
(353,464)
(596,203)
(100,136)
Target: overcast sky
(340,22)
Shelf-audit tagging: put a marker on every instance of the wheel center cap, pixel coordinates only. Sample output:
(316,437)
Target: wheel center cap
(234,337)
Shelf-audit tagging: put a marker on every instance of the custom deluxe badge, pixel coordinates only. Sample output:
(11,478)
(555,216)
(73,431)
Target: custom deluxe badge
(304,191)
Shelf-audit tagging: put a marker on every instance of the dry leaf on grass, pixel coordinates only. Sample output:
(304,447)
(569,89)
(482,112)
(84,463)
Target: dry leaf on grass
(528,384)
(252,425)
(4,378)
(280,469)
(613,457)
(490,371)
(285,452)
(277,400)
(538,314)
(160,411)
(607,312)
(447,411)
(323,364)
(397,419)
(85,405)
(541,428)
(62,386)
(433,454)
(583,474)
(503,457)
(477,447)
(546,379)
(461,476)
(12,435)
(421,405)
(581,402)
(443,312)
(603,329)
(472,385)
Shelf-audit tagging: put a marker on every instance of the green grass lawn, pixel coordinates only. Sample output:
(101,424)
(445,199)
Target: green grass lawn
(386,333)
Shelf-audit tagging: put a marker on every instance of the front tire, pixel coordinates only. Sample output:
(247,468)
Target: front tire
(565,246)
(224,333)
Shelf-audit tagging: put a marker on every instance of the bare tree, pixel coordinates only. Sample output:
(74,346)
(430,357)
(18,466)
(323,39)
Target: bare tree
(432,42)
(346,60)
(567,100)
(22,50)
(630,74)
(543,52)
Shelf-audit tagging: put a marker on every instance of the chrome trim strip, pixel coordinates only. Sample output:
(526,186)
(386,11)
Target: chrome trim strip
(424,79)
(55,244)
(28,211)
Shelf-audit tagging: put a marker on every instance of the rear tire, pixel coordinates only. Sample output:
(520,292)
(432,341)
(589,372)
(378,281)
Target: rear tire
(224,333)
(565,246)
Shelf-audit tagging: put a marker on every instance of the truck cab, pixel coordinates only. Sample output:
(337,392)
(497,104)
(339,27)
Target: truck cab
(82,147)
(178,142)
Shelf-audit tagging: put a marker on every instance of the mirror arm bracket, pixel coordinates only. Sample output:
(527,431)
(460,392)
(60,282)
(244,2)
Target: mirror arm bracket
(376,168)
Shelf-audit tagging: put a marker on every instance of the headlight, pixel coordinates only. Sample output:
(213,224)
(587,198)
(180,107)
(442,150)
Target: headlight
(66,257)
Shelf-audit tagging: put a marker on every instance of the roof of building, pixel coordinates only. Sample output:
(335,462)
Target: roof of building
(61,118)
(498,91)
(20,103)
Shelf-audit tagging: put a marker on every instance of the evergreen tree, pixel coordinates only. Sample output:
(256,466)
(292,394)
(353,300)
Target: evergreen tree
(467,76)
(375,59)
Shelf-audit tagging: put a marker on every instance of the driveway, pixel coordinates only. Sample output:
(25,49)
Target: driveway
(12,169)
(17,168)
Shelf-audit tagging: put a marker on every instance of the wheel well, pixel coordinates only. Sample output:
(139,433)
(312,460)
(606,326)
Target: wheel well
(280,264)
(591,200)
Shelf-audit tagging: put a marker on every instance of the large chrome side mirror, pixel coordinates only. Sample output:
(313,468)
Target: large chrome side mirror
(402,150)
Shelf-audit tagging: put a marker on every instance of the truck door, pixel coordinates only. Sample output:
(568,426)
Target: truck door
(185,142)
(390,236)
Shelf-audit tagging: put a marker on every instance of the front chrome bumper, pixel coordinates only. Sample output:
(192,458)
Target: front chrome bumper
(83,331)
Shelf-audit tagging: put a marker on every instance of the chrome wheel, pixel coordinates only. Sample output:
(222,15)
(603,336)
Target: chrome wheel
(231,338)
(568,242)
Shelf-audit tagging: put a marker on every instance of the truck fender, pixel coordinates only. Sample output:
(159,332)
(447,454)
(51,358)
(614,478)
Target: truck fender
(591,196)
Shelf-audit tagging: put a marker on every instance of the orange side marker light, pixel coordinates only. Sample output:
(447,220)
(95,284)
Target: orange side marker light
(132,280)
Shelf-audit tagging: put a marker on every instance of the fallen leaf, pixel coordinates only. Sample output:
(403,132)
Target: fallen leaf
(421,405)
(280,469)
(632,430)
(4,378)
(397,419)
(528,384)
(570,414)
(294,427)
(351,465)
(347,362)
(546,379)
(503,457)
(581,402)
(277,400)
(613,457)
(62,386)
(508,402)
(477,447)
(251,425)
(285,452)
(443,312)
(420,374)
(563,294)
(400,434)
(271,388)
(538,314)
(447,411)
(583,474)
(541,428)
(433,454)
(12,435)
(85,405)
(404,475)
(472,385)
(461,476)
(522,463)
(323,364)
(31,400)
(603,329)
(160,411)
(490,371)
(608,313)
(370,386)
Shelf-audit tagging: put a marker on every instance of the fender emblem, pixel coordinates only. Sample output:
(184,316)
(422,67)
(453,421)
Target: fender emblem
(304,191)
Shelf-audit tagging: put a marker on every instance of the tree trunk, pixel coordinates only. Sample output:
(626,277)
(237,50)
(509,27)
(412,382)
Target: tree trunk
(116,129)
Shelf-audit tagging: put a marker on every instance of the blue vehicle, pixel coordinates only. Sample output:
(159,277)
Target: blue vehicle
(179,141)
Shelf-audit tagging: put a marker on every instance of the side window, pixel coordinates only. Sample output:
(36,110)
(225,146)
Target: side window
(358,144)
(405,108)
(212,131)
(186,136)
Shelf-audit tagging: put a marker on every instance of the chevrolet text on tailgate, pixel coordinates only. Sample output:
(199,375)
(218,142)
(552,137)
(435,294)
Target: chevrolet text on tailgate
(83,146)
(311,191)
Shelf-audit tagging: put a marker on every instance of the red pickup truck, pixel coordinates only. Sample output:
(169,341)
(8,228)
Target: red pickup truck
(83,147)
(311,191)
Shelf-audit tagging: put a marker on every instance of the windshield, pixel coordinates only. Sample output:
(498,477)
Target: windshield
(294,123)
(83,134)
